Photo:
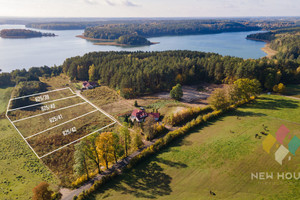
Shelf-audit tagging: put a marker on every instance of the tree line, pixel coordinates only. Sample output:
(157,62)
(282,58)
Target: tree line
(139,73)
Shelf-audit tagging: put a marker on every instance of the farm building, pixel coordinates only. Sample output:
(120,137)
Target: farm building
(140,115)
(88,85)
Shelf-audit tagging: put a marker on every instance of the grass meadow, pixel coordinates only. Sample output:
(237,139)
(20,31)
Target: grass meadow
(20,169)
(218,157)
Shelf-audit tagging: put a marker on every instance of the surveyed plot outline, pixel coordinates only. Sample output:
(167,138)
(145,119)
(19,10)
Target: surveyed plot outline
(85,101)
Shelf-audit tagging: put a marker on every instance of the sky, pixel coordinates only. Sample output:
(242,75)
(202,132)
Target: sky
(148,8)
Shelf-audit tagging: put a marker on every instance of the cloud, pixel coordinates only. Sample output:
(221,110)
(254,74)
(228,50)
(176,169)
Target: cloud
(129,3)
(110,3)
(91,2)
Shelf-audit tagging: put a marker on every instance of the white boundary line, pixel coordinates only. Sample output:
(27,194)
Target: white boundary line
(20,132)
(19,108)
(72,91)
(79,95)
(49,112)
(61,124)
(39,93)
(112,118)
(77,140)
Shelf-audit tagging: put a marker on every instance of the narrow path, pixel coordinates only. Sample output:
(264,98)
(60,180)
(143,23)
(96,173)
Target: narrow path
(291,97)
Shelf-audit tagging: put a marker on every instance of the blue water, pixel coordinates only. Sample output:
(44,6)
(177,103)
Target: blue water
(25,53)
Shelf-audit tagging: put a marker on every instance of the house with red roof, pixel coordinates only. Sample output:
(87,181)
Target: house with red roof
(88,85)
(140,115)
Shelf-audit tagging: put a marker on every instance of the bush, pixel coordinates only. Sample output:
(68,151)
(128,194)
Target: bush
(42,192)
(219,99)
(176,92)
(280,88)
(186,115)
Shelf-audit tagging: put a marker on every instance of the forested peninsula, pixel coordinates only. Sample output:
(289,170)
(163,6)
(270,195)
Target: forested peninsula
(285,41)
(23,33)
(164,28)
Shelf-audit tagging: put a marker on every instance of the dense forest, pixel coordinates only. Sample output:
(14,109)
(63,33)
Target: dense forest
(33,74)
(166,27)
(138,73)
(287,45)
(23,33)
(285,41)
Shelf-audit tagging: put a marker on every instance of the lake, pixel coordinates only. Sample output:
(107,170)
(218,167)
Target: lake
(25,53)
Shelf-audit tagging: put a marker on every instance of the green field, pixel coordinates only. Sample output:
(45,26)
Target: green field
(219,157)
(20,169)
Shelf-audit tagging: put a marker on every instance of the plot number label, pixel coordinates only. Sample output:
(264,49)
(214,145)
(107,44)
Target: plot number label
(69,131)
(56,118)
(42,98)
(48,107)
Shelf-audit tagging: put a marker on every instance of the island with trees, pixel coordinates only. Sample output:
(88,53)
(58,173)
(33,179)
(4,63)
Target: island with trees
(125,40)
(23,33)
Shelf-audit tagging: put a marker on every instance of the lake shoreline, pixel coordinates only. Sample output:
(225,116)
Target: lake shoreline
(270,52)
(111,42)
(52,51)
(267,49)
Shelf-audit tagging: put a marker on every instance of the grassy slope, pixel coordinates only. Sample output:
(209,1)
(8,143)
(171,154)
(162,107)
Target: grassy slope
(219,157)
(20,170)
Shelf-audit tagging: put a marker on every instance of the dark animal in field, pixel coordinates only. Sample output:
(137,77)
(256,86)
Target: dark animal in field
(265,127)
(257,136)
(212,193)
(231,131)
(264,133)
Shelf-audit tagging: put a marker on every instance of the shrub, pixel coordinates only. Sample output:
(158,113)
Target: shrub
(176,92)
(280,88)
(186,115)
(42,192)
